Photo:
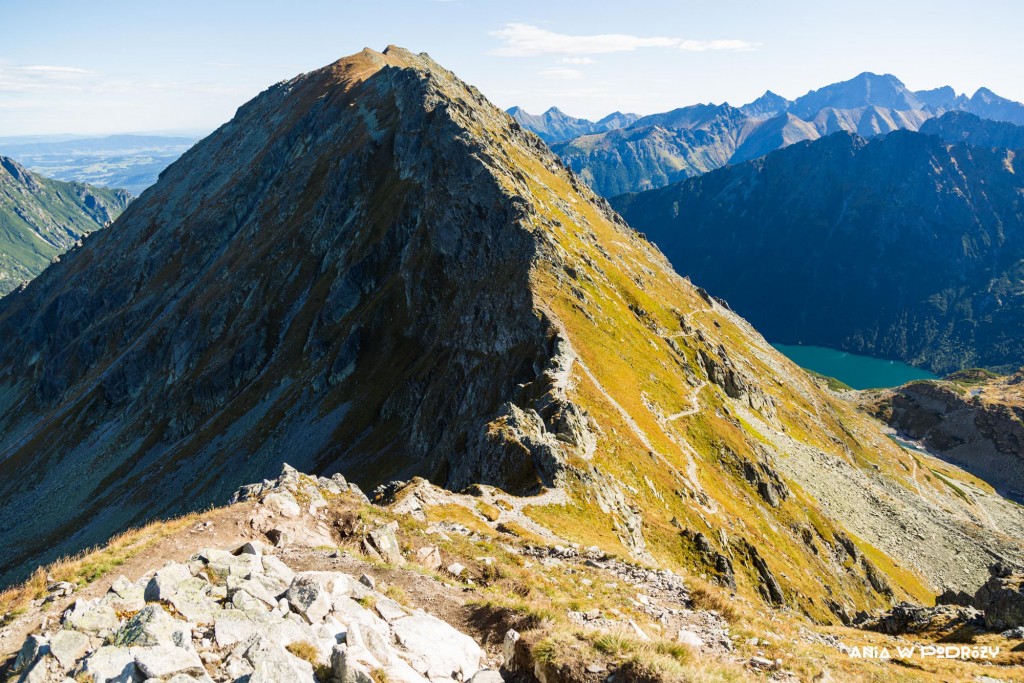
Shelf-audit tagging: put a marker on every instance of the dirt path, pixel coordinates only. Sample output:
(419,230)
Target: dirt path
(222,528)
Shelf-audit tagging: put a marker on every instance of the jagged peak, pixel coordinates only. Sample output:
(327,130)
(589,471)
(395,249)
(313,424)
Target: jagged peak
(14,169)
(985,94)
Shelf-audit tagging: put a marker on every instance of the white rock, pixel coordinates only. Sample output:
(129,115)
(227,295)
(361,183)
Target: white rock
(447,651)
(46,669)
(687,637)
(92,617)
(192,602)
(389,610)
(231,626)
(309,598)
(165,581)
(113,665)
(283,503)
(508,645)
(32,648)
(68,647)
(252,548)
(273,566)
(273,664)
(429,557)
(162,661)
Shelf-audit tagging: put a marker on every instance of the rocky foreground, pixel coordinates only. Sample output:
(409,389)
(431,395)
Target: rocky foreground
(314,583)
(244,614)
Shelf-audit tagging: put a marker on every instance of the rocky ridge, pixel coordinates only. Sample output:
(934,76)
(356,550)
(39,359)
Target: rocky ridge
(555,126)
(244,614)
(660,149)
(40,219)
(373,270)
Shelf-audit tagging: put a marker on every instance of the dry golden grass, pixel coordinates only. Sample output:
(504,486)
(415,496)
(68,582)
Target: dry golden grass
(90,565)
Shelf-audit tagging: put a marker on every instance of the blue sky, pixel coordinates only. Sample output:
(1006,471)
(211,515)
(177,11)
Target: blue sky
(116,66)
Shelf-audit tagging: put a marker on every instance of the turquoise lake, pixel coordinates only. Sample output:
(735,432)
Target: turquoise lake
(860,372)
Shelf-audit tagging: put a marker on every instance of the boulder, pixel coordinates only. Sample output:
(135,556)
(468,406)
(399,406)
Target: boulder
(1001,598)
(46,669)
(906,618)
(263,589)
(487,676)
(68,647)
(345,670)
(429,557)
(113,665)
(271,663)
(954,597)
(385,542)
(33,648)
(152,626)
(309,598)
(125,596)
(165,581)
(193,602)
(283,503)
(445,651)
(162,661)
(687,637)
(231,626)
(91,617)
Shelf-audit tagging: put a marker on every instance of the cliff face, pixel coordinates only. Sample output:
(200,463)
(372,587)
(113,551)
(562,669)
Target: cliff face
(371,270)
(907,247)
(976,424)
(42,218)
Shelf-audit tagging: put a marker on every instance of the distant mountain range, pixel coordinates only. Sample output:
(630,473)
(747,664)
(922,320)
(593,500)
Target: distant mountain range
(958,126)
(130,162)
(906,246)
(556,126)
(42,218)
(656,150)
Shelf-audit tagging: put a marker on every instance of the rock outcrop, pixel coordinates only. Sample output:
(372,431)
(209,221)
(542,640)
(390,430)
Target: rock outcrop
(973,420)
(1001,598)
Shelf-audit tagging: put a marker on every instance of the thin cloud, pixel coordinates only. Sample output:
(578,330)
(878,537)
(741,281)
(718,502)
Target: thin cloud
(706,45)
(577,60)
(526,40)
(55,70)
(22,78)
(561,74)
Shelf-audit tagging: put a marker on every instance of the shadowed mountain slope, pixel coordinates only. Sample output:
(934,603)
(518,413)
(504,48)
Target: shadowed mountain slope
(372,270)
(908,247)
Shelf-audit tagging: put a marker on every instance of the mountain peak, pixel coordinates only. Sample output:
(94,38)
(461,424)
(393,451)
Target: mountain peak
(863,90)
